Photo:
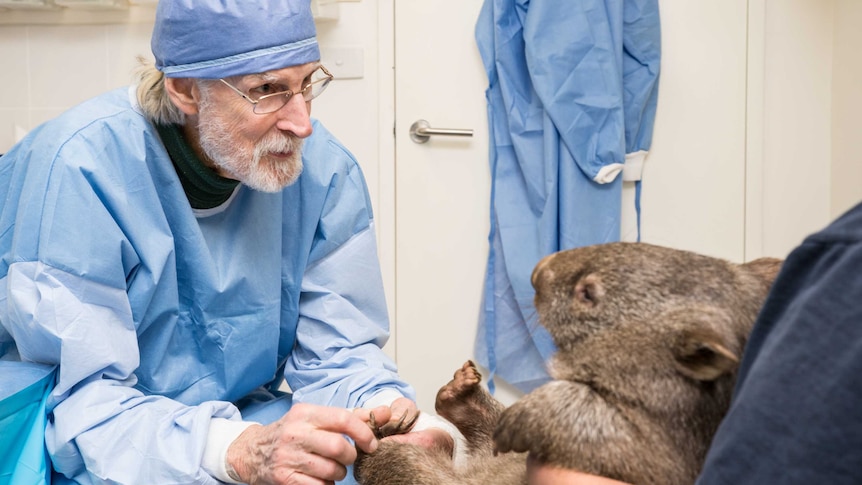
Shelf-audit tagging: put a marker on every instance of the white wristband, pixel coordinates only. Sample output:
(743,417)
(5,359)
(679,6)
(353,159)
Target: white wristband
(222,433)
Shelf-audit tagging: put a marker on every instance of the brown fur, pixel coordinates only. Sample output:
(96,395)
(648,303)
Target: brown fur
(649,340)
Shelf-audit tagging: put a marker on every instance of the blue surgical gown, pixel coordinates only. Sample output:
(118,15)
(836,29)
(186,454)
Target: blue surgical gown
(160,316)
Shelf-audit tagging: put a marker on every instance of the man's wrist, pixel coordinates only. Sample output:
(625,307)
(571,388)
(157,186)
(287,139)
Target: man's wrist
(222,433)
(231,473)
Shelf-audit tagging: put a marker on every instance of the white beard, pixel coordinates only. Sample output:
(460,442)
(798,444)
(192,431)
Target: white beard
(257,170)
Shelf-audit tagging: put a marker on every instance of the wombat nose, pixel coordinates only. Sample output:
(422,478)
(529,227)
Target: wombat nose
(541,267)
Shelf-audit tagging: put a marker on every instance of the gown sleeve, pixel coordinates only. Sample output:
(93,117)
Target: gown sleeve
(343,324)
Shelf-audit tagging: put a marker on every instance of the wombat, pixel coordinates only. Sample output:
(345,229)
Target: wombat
(648,344)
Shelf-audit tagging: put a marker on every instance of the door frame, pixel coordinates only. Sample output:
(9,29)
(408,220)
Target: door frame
(385,211)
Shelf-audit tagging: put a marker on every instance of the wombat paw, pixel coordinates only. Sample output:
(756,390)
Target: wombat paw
(516,430)
(463,401)
(464,382)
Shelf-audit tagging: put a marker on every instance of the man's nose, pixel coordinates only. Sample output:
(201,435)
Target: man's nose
(295,116)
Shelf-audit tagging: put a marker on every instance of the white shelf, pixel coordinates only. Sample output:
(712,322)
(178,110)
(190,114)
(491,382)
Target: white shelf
(26,4)
(93,4)
(57,12)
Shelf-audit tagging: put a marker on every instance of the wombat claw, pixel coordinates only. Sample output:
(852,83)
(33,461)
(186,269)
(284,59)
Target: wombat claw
(372,423)
(403,425)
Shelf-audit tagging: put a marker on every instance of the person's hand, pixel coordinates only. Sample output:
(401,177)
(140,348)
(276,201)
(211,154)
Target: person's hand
(306,446)
(543,474)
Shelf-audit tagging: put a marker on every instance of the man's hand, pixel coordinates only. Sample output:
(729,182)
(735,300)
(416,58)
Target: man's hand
(306,445)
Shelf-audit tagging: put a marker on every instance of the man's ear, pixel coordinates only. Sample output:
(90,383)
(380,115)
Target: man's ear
(184,94)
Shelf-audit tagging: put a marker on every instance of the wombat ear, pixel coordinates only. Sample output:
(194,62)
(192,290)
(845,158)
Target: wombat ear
(589,290)
(701,354)
(764,268)
(701,349)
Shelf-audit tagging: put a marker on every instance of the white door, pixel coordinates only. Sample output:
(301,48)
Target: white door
(442,190)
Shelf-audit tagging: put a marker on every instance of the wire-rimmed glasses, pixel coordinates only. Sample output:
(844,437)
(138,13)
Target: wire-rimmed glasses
(270,103)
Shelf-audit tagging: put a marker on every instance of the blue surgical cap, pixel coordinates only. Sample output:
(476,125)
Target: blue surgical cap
(221,38)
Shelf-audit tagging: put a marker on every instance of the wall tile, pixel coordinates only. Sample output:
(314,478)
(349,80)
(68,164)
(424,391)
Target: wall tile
(13,75)
(68,64)
(9,120)
(125,43)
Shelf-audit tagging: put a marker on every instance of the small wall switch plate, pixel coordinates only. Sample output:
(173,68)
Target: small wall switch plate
(344,62)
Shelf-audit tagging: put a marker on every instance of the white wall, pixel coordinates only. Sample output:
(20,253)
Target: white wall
(797,104)
(49,68)
(694,177)
(769,91)
(804,94)
(846,130)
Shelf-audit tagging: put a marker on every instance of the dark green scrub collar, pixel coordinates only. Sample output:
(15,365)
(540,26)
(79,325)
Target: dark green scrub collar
(204,188)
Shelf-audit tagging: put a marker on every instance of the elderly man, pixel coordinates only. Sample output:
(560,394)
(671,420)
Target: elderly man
(180,248)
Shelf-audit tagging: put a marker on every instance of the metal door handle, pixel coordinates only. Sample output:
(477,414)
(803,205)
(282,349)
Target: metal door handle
(421,131)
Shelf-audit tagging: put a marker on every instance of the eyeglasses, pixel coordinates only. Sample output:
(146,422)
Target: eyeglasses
(316,83)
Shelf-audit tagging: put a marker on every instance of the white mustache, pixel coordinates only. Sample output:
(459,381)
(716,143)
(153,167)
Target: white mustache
(277,144)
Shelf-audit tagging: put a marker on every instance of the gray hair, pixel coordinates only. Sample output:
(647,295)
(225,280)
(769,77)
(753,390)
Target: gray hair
(153,97)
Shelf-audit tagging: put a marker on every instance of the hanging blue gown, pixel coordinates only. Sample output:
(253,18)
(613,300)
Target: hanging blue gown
(571,103)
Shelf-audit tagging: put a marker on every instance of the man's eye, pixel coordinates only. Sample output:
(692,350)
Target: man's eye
(267,89)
